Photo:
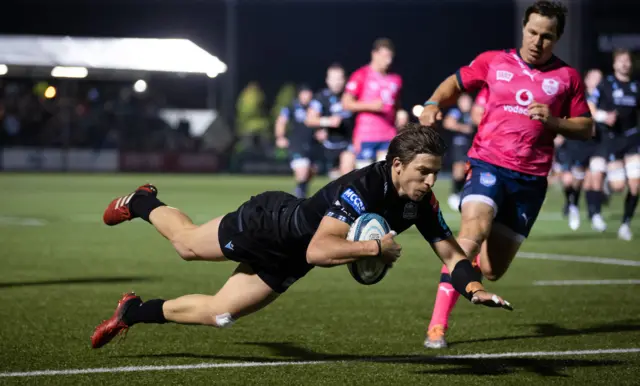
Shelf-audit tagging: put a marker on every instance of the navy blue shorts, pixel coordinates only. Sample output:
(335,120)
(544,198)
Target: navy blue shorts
(515,197)
(369,150)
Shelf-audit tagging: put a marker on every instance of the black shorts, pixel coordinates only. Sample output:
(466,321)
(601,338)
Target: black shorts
(459,153)
(311,152)
(254,234)
(562,157)
(332,154)
(619,146)
(579,153)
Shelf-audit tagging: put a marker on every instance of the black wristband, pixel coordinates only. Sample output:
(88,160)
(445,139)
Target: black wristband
(379,247)
(462,275)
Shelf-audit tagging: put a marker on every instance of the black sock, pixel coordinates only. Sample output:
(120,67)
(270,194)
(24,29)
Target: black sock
(630,204)
(142,205)
(145,312)
(302,189)
(576,196)
(594,202)
(569,193)
(458,185)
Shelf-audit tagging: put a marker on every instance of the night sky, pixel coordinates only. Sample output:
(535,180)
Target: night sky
(279,42)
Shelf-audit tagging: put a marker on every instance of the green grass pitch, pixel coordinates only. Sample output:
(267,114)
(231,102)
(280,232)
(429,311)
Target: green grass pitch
(62,272)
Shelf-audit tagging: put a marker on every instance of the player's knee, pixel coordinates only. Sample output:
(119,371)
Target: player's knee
(598,165)
(491,273)
(182,243)
(632,168)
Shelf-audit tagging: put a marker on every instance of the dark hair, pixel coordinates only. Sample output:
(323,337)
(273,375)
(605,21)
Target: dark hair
(384,43)
(619,52)
(414,139)
(335,66)
(550,9)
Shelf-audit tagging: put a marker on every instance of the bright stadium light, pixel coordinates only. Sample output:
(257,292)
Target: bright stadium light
(69,72)
(50,92)
(140,86)
(3,69)
(417,110)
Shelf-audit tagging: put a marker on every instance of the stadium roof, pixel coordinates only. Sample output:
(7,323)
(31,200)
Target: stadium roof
(110,54)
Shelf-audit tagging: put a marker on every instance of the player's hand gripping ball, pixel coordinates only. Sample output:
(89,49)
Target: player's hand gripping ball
(370,270)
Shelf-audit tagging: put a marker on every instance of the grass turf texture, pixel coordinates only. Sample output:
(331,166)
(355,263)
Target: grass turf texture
(63,272)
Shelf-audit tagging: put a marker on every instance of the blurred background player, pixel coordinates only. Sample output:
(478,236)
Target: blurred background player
(334,124)
(372,93)
(300,140)
(616,100)
(579,155)
(458,120)
(533,96)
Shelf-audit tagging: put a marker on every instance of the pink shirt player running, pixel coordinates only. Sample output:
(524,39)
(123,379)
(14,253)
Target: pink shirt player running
(368,85)
(507,137)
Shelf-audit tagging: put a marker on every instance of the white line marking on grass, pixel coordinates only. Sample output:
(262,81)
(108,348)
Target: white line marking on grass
(582,259)
(22,221)
(584,282)
(543,354)
(300,363)
(129,369)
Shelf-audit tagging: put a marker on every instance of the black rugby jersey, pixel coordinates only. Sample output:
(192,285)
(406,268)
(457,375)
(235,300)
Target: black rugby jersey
(367,190)
(458,138)
(328,104)
(612,94)
(298,133)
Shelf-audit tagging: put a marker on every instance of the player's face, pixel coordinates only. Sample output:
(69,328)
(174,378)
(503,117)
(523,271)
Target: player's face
(538,39)
(622,64)
(418,177)
(335,80)
(464,103)
(305,97)
(382,58)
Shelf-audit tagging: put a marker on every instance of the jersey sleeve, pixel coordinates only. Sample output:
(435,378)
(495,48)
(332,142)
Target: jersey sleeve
(316,104)
(594,97)
(355,85)
(454,113)
(349,205)
(576,98)
(285,112)
(431,223)
(474,76)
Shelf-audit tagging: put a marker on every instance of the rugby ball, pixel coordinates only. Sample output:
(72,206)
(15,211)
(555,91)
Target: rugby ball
(369,226)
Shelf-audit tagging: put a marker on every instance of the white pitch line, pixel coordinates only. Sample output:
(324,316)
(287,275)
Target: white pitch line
(543,354)
(584,282)
(298,363)
(582,259)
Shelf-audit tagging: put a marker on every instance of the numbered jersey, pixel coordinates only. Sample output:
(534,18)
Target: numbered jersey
(506,135)
(367,85)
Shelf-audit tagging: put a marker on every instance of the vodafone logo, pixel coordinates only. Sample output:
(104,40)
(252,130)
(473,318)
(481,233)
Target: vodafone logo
(524,97)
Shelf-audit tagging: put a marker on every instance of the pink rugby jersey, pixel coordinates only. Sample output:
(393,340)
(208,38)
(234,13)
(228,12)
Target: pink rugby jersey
(506,136)
(368,85)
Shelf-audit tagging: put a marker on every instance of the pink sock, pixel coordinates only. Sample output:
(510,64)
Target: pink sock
(446,299)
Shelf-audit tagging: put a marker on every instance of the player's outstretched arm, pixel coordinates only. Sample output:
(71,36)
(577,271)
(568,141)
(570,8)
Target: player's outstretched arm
(464,277)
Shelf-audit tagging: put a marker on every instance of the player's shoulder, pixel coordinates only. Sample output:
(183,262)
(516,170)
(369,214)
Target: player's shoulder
(372,178)
(364,70)
(491,55)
